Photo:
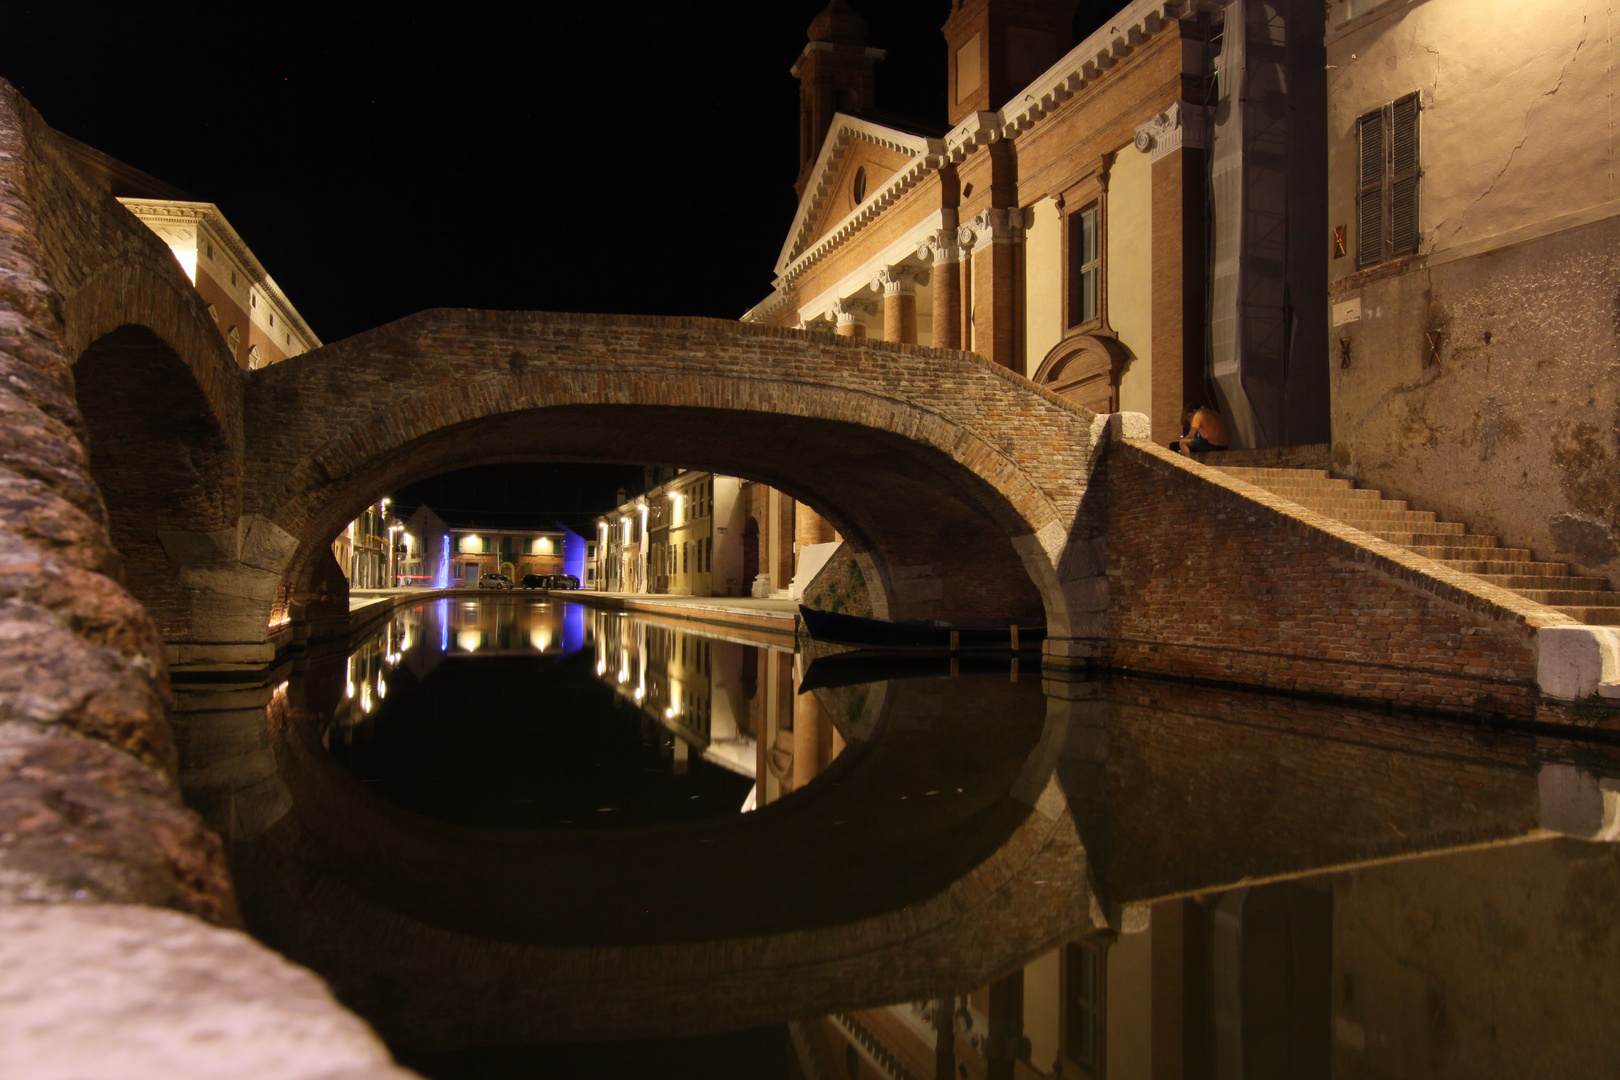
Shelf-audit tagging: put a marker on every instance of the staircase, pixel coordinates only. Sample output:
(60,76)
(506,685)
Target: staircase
(1587,600)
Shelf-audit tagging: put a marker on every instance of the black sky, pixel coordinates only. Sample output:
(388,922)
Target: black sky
(381,159)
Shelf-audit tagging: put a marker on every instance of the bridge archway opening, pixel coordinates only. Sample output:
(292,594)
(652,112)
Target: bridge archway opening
(938,536)
(166,469)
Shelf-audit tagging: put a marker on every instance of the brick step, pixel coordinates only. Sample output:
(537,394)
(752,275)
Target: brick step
(1586,599)
(1367,512)
(1575,597)
(1346,500)
(1431,544)
(1516,581)
(1453,532)
(1243,472)
(1593,616)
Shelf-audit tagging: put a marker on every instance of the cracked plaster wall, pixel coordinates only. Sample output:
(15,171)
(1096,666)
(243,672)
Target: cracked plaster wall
(1512,427)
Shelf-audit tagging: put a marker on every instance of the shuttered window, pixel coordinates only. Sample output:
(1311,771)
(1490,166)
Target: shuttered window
(1387,182)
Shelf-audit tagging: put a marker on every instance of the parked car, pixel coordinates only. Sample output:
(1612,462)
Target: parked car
(536,581)
(494,581)
(564,581)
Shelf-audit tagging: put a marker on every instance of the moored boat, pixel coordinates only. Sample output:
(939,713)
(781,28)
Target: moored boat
(843,629)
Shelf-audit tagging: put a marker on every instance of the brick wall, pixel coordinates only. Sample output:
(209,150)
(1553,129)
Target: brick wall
(1212,578)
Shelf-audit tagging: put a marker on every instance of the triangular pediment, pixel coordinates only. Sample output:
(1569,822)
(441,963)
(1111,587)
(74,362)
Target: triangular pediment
(852,144)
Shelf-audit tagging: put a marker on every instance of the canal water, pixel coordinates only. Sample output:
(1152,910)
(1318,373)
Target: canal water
(527,837)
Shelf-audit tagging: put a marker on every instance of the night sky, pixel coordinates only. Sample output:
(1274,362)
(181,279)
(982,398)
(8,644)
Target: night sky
(385,158)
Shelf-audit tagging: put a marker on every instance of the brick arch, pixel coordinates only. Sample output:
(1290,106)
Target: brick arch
(933,459)
(163,463)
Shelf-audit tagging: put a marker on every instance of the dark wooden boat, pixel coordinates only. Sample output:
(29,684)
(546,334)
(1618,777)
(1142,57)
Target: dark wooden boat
(879,634)
(867,666)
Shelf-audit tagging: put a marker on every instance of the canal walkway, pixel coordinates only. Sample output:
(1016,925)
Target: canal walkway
(776,616)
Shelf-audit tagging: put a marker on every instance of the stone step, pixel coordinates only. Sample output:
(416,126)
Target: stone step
(1573,597)
(1593,616)
(1517,581)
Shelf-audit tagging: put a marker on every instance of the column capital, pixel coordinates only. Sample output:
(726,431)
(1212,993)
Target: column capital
(899,280)
(997,224)
(940,248)
(1182,124)
(851,310)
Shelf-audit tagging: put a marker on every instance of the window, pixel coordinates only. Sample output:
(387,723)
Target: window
(1083,1006)
(1387,184)
(1085,265)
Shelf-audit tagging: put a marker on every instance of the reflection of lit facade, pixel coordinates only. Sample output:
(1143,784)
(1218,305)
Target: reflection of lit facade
(731,703)
(702,534)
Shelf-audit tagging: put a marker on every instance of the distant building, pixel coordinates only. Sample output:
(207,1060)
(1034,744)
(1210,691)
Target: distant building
(702,534)
(362,550)
(475,552)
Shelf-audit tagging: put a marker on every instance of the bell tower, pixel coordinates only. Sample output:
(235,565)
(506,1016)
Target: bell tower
(836,73)
(997,47)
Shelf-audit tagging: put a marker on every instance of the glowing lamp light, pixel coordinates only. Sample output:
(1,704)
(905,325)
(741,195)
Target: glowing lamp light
(382,688)
(469,640)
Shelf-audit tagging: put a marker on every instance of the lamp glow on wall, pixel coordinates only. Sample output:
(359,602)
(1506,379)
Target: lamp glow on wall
(542,546)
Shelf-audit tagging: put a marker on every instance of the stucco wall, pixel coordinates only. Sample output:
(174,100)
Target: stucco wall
(1043,281)
(1129,267)
(1510,426)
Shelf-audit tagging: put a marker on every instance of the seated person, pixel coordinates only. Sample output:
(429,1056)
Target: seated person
(1206,431)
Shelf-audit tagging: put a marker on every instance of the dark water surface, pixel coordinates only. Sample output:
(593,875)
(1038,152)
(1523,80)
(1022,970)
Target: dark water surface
(528,838)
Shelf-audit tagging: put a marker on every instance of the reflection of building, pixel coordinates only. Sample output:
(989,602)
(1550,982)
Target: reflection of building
(701,534)
(1456,965)
(731,703)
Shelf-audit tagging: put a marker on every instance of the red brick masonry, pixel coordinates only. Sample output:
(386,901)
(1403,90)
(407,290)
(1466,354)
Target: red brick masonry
(1210,577)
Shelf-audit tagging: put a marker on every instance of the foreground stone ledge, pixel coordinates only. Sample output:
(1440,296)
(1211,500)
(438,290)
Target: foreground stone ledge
(113,990)
(82,822)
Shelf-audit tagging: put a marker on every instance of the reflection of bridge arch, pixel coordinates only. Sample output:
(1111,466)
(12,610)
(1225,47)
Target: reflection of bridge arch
(958,480)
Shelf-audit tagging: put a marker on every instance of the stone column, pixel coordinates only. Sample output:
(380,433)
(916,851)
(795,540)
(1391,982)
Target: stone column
(899,287)
(946,255)
(992,236)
